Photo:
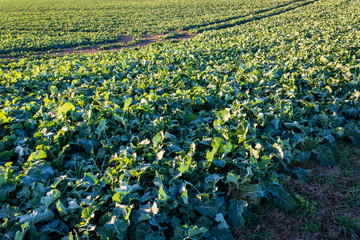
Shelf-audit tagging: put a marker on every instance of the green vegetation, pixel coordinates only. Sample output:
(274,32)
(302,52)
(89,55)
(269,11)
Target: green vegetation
(45,25)
(179,140)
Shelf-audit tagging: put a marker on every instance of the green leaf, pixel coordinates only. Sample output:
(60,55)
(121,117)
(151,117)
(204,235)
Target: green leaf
(4,118)
(220,218)
(122,211)
(6,155)
(195,231)
(116,227)
(302,174)
(124,190)
(158,180)
(72,205)
(54,89)
(88,212)
(37,174)
(163,197)
(228,148)
(5,192)
(236,210)
(55,227)
(325,156)
(101,127)
(280,151)
(39,154)
(232,178)
(65,108)
(354,135)
(281,197)
(179,233)
(208,210)
(210,155)
(184,197)
(127,104)
(2,179)
(254,191)
(156,140)
(61,208)
(184,168)
(144,217)
(302,157)
(241,131)
(21,234)
(254,153)
(50,197)
(36,216)
(155,208)
(160,155)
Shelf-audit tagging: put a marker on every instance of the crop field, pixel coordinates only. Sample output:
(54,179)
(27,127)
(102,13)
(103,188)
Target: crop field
(45,25)
(177,139)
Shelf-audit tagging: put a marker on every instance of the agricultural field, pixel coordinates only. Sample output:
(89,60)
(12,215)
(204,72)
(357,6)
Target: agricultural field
(193,139)
(46,25)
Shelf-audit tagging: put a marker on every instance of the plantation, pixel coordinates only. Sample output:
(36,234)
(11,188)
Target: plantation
(46,25)
(175,140)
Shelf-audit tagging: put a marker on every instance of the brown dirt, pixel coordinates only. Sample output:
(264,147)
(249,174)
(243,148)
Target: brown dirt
(329,206)
(124,42)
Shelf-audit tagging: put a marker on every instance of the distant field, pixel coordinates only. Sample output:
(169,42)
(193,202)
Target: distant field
(29,25)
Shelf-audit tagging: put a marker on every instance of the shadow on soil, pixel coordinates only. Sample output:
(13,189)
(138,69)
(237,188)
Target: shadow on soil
(255,18)
(238,17)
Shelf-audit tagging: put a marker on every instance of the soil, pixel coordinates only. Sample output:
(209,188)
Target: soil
(124,41)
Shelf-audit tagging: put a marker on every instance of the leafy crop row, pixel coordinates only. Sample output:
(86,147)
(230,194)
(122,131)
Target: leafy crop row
(176,140)
(48,25)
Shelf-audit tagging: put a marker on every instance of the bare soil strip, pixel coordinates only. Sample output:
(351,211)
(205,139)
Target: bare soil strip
(124,42)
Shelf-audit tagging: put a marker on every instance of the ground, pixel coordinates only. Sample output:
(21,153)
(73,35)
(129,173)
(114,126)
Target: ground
(328,204)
